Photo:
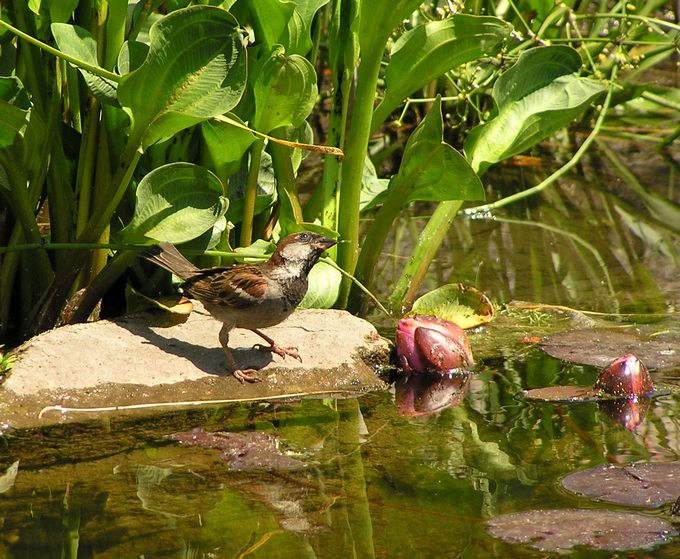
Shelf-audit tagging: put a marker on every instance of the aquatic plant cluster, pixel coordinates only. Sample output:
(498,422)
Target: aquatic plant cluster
(128,124)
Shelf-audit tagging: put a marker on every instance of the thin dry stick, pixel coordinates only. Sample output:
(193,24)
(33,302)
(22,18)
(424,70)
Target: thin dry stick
(64,409)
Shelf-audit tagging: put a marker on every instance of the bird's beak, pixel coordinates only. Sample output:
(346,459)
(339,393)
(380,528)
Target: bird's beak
(324,243)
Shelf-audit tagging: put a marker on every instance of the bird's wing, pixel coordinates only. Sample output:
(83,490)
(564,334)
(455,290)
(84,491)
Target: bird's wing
(237,287)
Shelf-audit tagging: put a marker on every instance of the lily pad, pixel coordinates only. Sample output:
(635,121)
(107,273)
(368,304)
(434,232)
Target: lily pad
(640,485)
(461,304)
(561,530)
(563,394)
(600,347)
(242,451)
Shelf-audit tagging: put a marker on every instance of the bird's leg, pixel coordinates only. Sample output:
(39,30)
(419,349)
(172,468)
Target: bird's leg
(274,348)
(242,375)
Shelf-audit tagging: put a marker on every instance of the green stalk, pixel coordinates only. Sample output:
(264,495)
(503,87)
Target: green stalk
(355,147)
(407,286)
(51,50)
(285,176)
(251,193)
(422,255)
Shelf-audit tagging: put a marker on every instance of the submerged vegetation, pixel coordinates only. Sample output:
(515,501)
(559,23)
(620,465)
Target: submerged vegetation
(125,124)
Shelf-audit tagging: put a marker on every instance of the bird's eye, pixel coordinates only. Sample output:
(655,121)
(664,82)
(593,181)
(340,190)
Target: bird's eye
(304,237)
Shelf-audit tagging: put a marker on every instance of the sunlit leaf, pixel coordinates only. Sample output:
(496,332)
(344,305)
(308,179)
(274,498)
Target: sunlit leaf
(324,286)
(430,50)
(431,170)
(457,303)
(176,203)
(79,43)
(285,91)
(195,70)
(177,307)
(540,94)
(226,145)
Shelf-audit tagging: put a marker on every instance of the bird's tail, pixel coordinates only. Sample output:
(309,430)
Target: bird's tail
(169,258)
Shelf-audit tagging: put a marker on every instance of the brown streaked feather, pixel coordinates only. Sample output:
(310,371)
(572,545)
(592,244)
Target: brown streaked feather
(222,286)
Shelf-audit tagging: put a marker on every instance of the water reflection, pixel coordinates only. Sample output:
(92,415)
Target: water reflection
(381,476)
(419,395)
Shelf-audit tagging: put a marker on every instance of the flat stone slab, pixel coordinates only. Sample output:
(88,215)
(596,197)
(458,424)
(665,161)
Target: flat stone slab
(135,359)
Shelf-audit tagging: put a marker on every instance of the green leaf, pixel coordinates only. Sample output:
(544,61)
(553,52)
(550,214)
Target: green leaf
(195,70)
(79,43)
(431,170)
(285,91)
(539,95)
(226,145)
(324,286)
(430,50)
(176,203)
(463,305)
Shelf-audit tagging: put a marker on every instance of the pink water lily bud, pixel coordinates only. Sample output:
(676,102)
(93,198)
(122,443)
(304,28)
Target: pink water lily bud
(627,377)
(431,344)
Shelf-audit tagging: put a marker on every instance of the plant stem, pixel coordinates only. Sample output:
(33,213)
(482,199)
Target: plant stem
(250,195)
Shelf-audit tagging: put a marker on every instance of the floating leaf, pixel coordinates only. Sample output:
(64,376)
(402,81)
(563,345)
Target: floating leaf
(563,394)
(638,485)
(600,347)
(464,305)
(561,530)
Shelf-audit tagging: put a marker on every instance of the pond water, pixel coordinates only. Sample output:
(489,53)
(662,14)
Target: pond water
(376,476)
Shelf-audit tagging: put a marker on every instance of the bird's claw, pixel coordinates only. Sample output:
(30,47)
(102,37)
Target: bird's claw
(278,350)
(246,375)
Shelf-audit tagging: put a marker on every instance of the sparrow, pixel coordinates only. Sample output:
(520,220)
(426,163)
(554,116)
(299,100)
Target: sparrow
(250,296)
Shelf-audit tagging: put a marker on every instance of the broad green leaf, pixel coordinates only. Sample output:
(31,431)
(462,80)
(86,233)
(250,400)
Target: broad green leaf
(323,289)
(541,66)
(285,91)
(195,70)
(176,203)
(541,95)
(62,10)
(226,145)
(270,19)
(431,169)
(430,50)
(131,56)
(379,19)
(464,305)
(79,43)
